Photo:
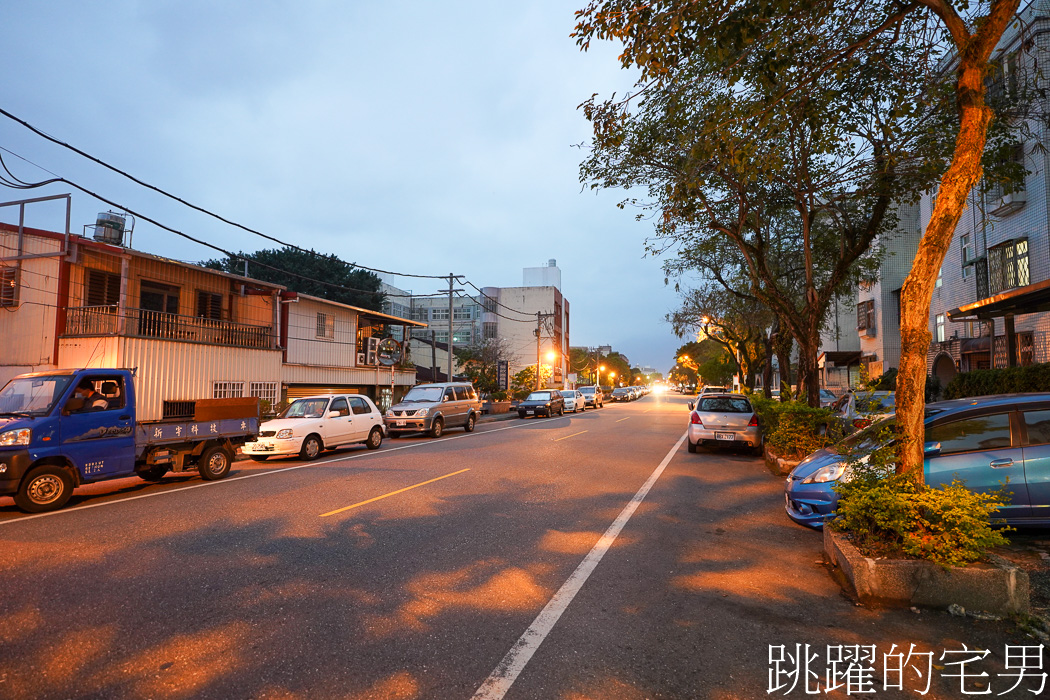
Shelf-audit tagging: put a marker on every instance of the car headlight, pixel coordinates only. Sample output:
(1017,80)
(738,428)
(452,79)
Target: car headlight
(390,413)
(422,411)
(284,434)
(15,437)
(831,472)
(547,405)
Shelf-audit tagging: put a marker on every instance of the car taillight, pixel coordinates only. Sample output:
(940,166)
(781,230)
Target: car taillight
(861,422)
(695,419)
(753,423)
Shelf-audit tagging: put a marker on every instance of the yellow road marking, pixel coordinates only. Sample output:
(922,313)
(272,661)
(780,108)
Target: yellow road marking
(392,493)
(622,419)
(573,435)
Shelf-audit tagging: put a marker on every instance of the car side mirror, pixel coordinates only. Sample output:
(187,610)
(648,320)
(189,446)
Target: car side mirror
(333,414)
(74,404)
(931,449)
(692,405)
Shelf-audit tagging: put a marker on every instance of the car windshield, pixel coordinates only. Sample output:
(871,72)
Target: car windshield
(827,395)
(875,404)
(724,404)
(539,396)
(423,394)
(305,408)
(587,390)
(620,391)
(33,396)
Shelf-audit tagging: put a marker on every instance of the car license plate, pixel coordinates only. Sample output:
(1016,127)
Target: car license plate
(529,413)
(725,436)
(399,422)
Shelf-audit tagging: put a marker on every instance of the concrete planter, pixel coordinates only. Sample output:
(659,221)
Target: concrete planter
(777,464)
(493,407)
(999,588)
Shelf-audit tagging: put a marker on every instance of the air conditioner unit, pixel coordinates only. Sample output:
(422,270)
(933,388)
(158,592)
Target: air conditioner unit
(868,332)
(1008,204)
(371,356)
(373,345)
(360,358)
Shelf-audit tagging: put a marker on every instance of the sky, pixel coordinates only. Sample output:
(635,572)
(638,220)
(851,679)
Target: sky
(411,136)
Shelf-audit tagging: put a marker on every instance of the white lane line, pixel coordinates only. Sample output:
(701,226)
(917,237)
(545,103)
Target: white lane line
(369,453)
(507,671)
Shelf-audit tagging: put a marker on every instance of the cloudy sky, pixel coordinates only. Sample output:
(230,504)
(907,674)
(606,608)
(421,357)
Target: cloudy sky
(406,135)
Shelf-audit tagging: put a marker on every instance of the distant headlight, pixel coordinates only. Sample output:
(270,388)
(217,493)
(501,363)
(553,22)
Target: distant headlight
(284,434)
(15,437)
(548,404)
(832,472)
(422,411)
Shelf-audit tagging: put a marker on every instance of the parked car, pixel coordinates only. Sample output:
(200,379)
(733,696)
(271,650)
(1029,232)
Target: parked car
(431,408)
(827,398)
(859,409)
(592,396)
(308,426)
(724,420)
(711,389)
(984,441)
(542,403)
(574,400)
(621,393)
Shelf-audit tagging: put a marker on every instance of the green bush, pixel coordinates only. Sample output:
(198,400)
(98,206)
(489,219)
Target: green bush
(893,514)
(795,429)
(982,382)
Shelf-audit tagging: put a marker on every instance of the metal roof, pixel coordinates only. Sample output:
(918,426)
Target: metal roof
(1029,299)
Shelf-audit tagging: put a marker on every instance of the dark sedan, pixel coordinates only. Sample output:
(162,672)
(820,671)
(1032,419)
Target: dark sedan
(542,403)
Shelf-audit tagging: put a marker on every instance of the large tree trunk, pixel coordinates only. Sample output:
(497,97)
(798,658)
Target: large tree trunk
(961,177)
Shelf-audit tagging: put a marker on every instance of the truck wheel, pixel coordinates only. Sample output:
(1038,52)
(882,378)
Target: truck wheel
(471,420)
(437,429)
(44,488)
(375,438)
(153,473)
(311,448)
(214,463)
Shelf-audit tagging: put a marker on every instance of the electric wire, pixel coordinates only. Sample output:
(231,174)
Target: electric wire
(495,300)
(178,199)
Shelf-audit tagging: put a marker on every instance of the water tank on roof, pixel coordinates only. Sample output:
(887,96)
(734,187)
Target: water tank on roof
(109,228)
(552,263)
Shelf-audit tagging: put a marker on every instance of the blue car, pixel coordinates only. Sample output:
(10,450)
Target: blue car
(984,441)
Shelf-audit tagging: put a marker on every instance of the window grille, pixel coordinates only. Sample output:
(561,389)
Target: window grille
(325,326)
(103,288)
(8,286)
(866,315)
(266,391)
(227,390)
(209,305)
(1008,266)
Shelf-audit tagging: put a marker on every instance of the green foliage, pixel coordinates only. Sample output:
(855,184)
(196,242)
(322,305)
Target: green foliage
(795,429)
(480,363)
(352,285)
(983,382)
(892,514)
(886,382)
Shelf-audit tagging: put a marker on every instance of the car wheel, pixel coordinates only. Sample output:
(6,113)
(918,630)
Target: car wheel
(214,463)
(437,429)
(44,488)
(561,411)
(312,448)
(692,447)
(375,438)
(393,434)
(258,458)
(471,420)
(521,415)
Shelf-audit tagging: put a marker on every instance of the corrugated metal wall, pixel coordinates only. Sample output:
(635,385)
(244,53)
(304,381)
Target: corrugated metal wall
(304,345)
(299,374)
(27,331)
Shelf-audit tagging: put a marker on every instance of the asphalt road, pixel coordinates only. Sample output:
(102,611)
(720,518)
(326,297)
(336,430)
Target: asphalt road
(588,556)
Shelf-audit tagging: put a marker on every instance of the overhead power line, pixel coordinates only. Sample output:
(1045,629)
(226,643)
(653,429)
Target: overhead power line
(180,200)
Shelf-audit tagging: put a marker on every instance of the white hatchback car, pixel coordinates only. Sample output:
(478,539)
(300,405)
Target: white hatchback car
(574,400)
(310,425)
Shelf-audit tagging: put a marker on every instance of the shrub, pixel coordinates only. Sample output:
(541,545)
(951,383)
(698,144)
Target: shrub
(795,429)
(894,514)
(982,382)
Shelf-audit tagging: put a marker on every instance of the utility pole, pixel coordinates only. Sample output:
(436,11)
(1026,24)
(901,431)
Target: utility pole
(539,325)
(451,291)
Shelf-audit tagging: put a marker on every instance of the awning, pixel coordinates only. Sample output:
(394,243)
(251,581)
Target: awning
(838,358)
(979,345)
(1029,299)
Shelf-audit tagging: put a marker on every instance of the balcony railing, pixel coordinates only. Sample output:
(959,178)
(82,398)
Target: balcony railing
(143,323)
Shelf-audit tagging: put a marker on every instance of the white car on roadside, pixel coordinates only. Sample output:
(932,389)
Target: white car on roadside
(574,400)
(317,423)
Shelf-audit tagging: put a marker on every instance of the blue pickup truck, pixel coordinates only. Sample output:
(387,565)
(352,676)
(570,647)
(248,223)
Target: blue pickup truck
(64,428)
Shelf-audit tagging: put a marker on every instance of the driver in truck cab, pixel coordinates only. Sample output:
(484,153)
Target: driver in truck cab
(93,401)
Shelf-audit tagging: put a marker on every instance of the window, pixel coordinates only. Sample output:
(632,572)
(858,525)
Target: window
(940,328)
(463,313)
(940,278)
(107,393)
(325,326)
(969,250)
(450,395)
(461,393)
(227,390)
(463,337)
(419,314)
(359,406)
(340,406)
(1038,423)
(1008,265)
(997,190)
(972,434)
(265,391)
(8,286)
(488,330)
(441,336)
(489,304)
(102,288)
(439,314)
(866,315)
(209,305)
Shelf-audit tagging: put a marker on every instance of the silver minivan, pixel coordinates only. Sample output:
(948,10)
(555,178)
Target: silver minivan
(431,408)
